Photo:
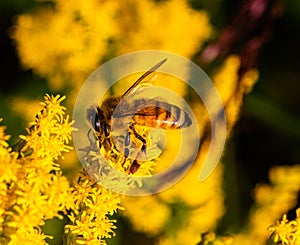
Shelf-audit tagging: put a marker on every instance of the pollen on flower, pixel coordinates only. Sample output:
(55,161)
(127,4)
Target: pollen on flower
(109,165)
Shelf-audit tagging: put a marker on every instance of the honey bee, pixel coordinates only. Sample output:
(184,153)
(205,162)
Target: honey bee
(153,113)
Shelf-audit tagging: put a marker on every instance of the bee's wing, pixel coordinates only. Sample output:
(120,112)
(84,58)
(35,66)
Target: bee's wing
(142,107)
(153,112)
(151,107)
(141,81)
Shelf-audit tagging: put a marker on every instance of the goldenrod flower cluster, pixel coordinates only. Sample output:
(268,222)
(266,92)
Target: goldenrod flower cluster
(76,36)
(73,35)
(89,213)
(33,189)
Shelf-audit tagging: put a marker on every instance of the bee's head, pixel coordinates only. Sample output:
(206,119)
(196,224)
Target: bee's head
(95,118)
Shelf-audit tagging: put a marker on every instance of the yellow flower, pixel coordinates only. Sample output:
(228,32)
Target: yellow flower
(147,214)
(168,25)
(28,236)
(77,36)
(231,88)
(73,35)
(286,232)
(92,204)
(50,133)
(32,188)
(226,78)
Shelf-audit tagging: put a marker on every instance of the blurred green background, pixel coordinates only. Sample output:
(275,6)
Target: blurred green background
(267,133)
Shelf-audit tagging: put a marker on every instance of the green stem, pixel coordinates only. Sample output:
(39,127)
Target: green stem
(273,115)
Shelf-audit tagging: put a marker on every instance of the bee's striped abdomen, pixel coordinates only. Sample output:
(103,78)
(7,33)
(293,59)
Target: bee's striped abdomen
(175,118)
(162,115)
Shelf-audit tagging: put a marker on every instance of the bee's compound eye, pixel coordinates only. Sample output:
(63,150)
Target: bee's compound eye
(97,123)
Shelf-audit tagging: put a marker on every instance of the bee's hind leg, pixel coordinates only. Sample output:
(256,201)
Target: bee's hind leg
(139,137)
(134,167)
